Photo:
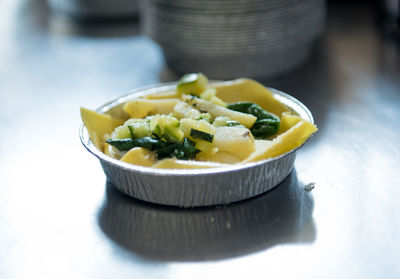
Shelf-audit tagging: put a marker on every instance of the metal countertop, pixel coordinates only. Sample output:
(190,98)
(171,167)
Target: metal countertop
(59,218)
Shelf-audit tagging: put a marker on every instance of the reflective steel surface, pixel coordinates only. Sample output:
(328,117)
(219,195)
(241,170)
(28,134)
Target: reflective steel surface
(60,218)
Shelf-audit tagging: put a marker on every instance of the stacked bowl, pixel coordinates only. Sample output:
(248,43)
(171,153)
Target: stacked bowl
(95,9)
(226,39)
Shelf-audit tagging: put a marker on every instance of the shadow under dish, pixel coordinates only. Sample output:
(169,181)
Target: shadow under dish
(164,233)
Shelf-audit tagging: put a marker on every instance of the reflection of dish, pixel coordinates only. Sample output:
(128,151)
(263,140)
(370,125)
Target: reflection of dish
(166,233)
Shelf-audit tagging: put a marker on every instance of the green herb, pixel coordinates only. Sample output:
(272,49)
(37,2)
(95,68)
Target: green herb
(121,144)
(264,128)
(150,143)
(172,150)
(266,125)
(182,150)
(189,148)
(129,143)
(253,109)
(201,135)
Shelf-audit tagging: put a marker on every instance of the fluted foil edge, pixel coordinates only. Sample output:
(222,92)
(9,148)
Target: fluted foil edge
(201,189)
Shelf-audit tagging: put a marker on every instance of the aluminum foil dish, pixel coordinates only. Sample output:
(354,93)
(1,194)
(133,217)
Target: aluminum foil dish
(197,143)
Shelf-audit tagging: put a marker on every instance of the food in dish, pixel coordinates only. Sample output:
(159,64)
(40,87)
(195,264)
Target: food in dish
(199,125)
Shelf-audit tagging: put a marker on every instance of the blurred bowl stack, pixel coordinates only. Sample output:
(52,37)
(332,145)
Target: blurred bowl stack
(95,9)
(226,39)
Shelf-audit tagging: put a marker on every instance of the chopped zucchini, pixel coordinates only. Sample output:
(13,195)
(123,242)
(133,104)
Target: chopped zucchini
(166,126)
(200,125)
(135,128)
(201,135)
(193,83)
(140,129)
(173,134)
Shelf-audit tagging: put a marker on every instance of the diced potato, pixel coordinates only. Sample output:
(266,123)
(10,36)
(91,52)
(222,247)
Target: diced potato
(98,126)
(166,126)
(288,121)
(292,138)
(236,140)
(183,110)
(140,156)
(216,110)
(248,90)
(140,108)
(183,164)
(187,124)
(219,157)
